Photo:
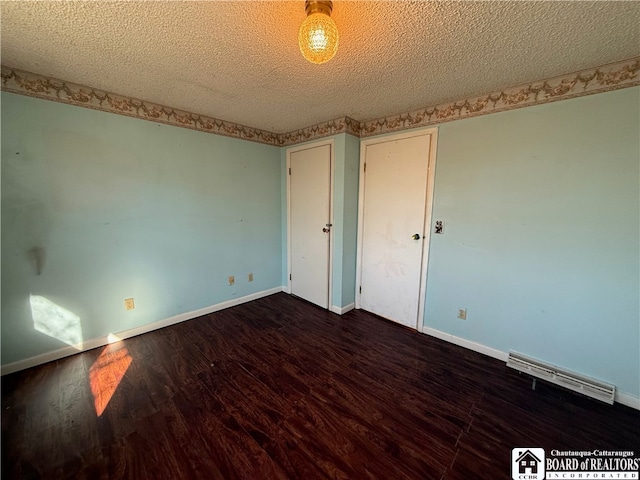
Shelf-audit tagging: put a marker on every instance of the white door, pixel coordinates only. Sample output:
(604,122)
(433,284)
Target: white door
(310,223)
(395,195)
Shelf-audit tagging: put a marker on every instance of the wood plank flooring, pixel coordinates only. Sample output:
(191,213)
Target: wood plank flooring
(280,389)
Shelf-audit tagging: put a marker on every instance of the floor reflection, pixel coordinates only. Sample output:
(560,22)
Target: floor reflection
(106,373)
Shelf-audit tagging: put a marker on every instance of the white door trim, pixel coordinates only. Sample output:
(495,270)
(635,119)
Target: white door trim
(299,148)
(431,169)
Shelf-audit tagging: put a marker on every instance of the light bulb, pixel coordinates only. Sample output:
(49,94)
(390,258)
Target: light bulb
(318,38)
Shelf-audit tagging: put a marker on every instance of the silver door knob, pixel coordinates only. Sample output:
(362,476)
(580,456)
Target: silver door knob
(415,236)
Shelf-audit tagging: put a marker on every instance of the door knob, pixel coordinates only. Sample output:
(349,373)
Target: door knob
(415,236)
(326,230)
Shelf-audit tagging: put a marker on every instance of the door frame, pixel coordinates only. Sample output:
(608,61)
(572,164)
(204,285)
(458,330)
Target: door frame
(431,170)
(299,148)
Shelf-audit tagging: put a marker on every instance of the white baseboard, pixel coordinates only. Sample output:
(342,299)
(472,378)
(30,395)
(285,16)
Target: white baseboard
(149,327)
(476,347)
(628,400)
(342,310)
(621,397)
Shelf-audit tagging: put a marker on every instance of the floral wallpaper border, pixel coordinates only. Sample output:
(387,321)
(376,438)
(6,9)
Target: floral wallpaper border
(34,85)
(596,80)
(325,129)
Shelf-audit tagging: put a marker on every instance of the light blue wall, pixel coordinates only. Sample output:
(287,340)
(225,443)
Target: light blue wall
(345,209)
(128,208)
(541,242)
(350,208)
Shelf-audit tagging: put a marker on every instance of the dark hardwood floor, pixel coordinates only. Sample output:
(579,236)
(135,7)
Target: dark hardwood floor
(278,388)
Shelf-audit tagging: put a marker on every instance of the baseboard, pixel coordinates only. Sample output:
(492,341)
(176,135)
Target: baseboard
(149,327)
(628,400)
(476,347)
(342,310)
(621,397)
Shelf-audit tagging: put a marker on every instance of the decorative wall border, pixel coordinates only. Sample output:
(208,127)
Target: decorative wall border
(34,85)
(595,80)
(325,129)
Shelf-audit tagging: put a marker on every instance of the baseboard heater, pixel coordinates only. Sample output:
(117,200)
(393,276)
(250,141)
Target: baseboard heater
(552,374)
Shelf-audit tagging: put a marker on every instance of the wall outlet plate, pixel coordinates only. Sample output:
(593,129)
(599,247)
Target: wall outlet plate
(129,304)
(232,280)
(462,313)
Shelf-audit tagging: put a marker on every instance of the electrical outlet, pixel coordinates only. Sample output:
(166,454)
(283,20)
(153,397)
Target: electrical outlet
(232,280)
(251,277)
(462,313)
(128,304)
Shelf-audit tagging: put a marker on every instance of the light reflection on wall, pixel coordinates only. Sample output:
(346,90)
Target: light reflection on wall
(111,338)
(106,373)
(56,321)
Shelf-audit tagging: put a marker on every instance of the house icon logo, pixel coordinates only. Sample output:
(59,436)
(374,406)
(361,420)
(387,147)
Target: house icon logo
(527,464)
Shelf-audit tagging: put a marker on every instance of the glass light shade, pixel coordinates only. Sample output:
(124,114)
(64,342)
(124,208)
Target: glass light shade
(318,38)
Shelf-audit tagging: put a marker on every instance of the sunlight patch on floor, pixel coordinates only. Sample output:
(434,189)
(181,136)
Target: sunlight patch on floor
(106,373)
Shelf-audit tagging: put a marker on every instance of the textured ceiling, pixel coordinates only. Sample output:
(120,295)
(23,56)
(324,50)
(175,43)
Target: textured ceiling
(239,60)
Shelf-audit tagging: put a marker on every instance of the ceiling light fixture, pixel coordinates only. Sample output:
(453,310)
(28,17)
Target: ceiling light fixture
(318,36)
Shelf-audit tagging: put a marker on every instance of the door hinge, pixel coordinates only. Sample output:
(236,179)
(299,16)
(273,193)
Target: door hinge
(365,168)
(289,170)
(360,288)
(289,276)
